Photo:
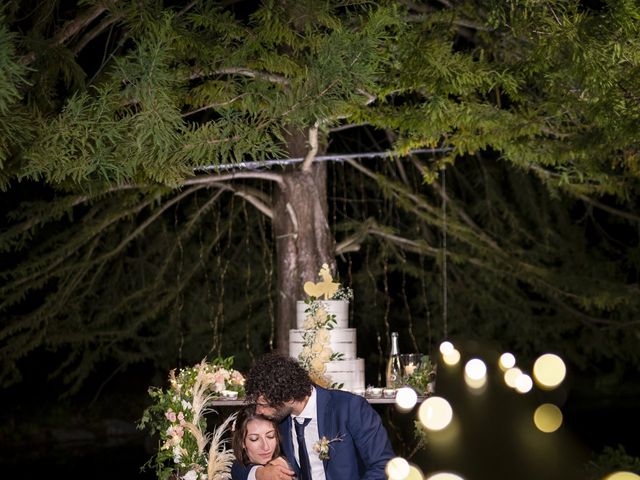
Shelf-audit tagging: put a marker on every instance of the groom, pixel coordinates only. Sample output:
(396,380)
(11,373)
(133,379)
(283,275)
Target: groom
(325,434)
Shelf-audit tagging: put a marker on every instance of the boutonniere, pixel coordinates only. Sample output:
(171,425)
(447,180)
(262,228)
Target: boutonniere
(322,446)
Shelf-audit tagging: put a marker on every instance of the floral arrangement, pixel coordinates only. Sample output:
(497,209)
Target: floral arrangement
(177,415)
(315,347)
(423,377)
(343,293)
(322,446)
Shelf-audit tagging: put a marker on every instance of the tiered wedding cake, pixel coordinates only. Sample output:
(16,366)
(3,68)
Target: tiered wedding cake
(322,341)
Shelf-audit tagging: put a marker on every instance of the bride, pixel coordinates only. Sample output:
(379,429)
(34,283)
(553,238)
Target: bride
(256,446)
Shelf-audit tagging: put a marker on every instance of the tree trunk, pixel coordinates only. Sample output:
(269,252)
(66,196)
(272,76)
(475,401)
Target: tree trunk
(303,239)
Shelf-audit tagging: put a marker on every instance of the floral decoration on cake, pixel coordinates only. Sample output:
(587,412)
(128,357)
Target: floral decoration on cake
(316,351)
(177,416)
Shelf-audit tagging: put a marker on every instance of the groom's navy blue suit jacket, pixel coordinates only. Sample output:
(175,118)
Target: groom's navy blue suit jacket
(364,449)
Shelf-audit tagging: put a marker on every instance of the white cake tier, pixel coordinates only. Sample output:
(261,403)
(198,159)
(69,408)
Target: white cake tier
(341,340)
(348,372)
(339,308)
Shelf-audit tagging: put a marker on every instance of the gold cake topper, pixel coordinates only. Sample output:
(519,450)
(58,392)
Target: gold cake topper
(326,287)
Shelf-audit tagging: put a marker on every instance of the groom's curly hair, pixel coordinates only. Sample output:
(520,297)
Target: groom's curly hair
(279,378)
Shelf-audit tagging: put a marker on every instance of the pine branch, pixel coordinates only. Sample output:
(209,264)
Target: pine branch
(313,148)
(94,32)
(465,218)
(254,197)
(215,105)
(272,177)
(614,211)
(242,71)
(498,261)
(71,28)
(371,227)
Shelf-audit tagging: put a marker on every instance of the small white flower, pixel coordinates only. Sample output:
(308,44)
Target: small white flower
(190,475)
(178,453)
(174,408)
(325,355)
(321,447)
(323,336)
(318,365)
(317,346)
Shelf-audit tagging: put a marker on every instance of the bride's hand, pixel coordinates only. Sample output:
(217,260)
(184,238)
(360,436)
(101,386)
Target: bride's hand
(276,469)
(281,461)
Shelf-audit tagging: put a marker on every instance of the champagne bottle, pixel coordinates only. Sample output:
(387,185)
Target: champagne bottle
(394,369)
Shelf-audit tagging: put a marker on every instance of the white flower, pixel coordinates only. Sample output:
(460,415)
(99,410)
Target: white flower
(318,365)
(321,447)
(317,346)
(237,378)
(325,355)
(321,314)
(323,335)
(174,408)
(190,475)
(316,338)
(177,454)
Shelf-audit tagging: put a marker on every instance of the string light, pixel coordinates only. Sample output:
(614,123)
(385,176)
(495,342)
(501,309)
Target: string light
(257,165)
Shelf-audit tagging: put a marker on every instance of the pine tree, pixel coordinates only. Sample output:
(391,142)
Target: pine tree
(139,230)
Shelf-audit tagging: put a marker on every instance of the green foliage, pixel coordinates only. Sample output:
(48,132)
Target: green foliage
(575,69)
(15,127)
(422,376)
(153,276)
(611,460)
(559,96)
(177,418)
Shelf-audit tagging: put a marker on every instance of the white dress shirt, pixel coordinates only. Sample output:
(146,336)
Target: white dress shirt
(311,436)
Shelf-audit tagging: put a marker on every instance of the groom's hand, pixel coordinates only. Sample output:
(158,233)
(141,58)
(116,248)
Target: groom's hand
(276,469)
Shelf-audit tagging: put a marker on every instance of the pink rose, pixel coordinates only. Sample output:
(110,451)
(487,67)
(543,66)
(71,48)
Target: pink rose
(237,378)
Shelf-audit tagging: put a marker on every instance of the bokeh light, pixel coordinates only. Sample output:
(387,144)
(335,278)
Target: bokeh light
(397,469)
(452,358)
(524,383)
(511,375)
(475,369)
(414,473)
(406,398)
(475,373)
(507,361)
(547,418)
(446,348)
(435,413)
(476,384)
(445,476)
(549,371)
(622,476)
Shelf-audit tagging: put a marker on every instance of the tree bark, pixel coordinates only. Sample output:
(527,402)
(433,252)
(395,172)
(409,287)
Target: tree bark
(303,238)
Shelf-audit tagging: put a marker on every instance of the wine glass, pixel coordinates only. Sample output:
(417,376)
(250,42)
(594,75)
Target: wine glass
(410,362)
